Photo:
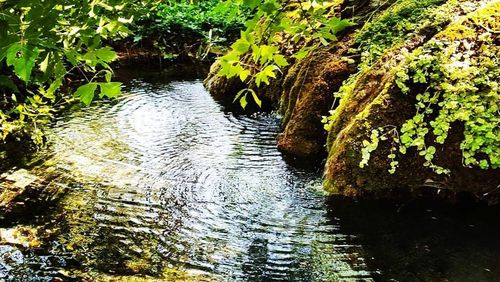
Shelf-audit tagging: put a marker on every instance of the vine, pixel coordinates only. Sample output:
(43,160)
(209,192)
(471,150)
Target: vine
(271,37)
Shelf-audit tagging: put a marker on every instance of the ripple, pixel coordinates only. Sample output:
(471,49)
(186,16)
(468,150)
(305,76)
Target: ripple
(167,177)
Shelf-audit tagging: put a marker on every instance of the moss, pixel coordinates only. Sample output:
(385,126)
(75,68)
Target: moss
(485,19)
(138,265)
(294,76)
(395,23)
(404,20)
(309,99)
(372,99)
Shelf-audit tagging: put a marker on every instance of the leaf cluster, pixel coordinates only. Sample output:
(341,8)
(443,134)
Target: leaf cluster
(44,45)
(260,52)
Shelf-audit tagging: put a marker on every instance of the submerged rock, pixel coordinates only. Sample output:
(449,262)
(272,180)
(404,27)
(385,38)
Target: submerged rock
(21,236)
(362,69)
(22,192)
(10,258)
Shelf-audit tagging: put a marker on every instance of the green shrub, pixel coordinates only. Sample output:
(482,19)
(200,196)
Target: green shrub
(193,23)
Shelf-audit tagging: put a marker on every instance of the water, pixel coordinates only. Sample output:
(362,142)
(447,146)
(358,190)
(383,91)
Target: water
(163,183)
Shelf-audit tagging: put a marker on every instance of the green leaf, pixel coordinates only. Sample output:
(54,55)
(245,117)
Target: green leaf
(431,150)
(44,64)
(90,59)
(280,61)
(337,25)
(302,53)
(269,6)
(106,54)
(72,55)
(256,98)
(86,93)
(269,71)
(108,75)
(252,4)
(52,88)
(323,41)
(110,89)
(23,58)
(241,46)
(244,75)
(267,53)
(243,101)
(263,76)
(238,95)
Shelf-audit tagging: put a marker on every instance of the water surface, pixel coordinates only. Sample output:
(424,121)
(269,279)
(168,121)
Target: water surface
(163,183)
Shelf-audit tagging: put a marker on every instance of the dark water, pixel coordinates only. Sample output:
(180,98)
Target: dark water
(164,184)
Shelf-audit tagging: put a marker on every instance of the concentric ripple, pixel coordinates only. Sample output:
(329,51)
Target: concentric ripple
(167,180)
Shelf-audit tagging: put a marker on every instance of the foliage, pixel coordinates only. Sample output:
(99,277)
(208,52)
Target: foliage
(43,43)
(453,81)
(258,55)
(381,134)
(403,20)
(204,23)
(454,78)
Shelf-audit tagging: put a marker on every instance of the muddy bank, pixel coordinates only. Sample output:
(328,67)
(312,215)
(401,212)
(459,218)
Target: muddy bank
(360,68)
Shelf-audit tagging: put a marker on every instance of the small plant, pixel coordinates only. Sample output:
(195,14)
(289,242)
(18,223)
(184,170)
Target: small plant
(454,79)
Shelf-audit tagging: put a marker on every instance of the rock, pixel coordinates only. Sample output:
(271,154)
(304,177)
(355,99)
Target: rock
(10,258)
(375,101)
(20,235)
(309,99)
(24,193)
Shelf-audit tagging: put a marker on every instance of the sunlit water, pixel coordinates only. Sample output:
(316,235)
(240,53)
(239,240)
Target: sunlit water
(163,183)
(166,179)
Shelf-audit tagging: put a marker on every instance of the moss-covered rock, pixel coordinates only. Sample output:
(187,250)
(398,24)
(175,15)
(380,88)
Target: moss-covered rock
(302,93)
(309,98)
(375,100)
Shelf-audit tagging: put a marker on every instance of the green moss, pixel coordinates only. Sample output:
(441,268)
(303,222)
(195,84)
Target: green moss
(288,98)
(401,21)
(462,57)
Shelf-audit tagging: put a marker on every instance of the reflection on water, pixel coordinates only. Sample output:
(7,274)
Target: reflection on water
(165,184)
(166,180)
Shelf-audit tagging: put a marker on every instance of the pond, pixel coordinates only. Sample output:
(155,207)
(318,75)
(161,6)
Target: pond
(164,183)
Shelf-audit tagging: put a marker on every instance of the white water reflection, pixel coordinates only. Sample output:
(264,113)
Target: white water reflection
(168,180)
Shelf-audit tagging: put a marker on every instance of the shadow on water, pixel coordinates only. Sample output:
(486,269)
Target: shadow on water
(164,183)
(422,240)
